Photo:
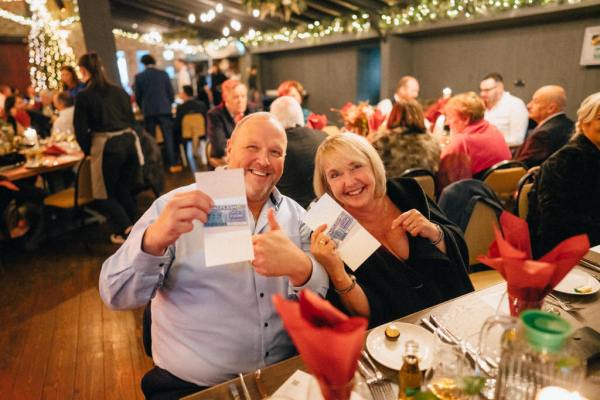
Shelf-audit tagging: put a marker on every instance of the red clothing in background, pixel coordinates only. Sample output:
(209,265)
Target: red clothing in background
(482,142)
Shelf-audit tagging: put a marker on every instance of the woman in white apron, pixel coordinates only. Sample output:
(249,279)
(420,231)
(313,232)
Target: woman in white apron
(103,123)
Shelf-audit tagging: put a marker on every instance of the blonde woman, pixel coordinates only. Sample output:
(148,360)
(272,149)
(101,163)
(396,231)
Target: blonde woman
(421,261)
(568,187)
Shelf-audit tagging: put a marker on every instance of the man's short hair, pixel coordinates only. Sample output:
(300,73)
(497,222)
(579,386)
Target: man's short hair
(147,59)
(467,104)
(404,81)
(288,111)
(495,76)
(65,99)
(228,86)
(188,90)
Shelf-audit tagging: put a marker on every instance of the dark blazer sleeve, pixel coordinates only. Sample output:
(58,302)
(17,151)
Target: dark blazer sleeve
(169,88)
(216,134)
(178,120)
(536,148)
(139,90)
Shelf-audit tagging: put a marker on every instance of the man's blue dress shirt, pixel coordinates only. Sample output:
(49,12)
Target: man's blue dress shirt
(208,324)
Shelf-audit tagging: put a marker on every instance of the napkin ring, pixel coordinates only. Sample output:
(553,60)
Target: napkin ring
(349,288)
(440,237)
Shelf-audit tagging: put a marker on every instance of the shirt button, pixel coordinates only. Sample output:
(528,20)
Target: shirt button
(266,324)
(262,295)
(161,264)
(267,354)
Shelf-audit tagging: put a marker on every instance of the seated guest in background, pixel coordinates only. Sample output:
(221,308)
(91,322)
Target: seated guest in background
(422,258)
(46,104)
(70,80)
(405,143)
(5,91)
(64,103)
(295,90)
(565,200)
(475,144)
(208,324)
(16,113)
(189,106)
(223,118)
(407,88)
(553,130)
(296,181)
(507,112)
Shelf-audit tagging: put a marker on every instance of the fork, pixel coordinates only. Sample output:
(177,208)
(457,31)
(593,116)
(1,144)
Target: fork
(372,382)
(561,303)
(381,379)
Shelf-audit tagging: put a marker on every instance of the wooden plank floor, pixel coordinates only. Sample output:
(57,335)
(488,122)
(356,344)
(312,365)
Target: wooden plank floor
(57,339)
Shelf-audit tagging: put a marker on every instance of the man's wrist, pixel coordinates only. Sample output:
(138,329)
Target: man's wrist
(151,248)
(303,273)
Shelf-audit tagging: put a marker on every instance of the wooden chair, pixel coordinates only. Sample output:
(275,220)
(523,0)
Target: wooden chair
(479,233)
(78,196)
(331,130)
(193,129)
(424,178)
(523,188)
(484,279)
(212,161)
(503,179)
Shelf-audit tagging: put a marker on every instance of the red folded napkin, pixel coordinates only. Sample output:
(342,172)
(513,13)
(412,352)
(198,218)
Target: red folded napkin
(529,281)
(329,341)
(375,120)
(316,121)
(54,150)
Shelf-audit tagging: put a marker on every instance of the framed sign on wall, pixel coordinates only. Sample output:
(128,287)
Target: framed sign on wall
(590,52)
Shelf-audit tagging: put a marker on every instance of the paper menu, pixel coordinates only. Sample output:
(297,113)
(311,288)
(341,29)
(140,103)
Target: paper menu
(303,386)
(354,243)
(227,235)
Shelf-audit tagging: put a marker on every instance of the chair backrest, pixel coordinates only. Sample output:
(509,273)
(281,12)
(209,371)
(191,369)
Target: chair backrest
(211,161)
(193,126)
(331,130)
(503,179)
(479,233)
(83,186)
(424,178)
(523,188)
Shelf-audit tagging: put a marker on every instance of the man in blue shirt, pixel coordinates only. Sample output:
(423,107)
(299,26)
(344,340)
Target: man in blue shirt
(208,324)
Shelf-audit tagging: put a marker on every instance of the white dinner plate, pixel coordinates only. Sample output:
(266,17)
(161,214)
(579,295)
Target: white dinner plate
(391,354)
(577,278)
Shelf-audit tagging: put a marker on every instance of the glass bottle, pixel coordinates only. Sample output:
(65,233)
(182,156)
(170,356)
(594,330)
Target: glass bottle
(409,376)
(534,354)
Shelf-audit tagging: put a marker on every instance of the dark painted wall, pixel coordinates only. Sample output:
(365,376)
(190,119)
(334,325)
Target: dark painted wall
(538,54)
(328,74)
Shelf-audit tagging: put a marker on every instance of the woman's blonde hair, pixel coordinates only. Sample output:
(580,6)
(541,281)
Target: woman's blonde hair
(468,104)
(589,108)
(347,145)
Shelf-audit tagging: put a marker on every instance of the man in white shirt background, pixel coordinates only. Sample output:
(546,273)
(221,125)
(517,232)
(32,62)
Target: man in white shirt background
(507,112)
(183,75)
(64,103)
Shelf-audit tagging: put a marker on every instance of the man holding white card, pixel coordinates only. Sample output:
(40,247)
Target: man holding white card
(208,324)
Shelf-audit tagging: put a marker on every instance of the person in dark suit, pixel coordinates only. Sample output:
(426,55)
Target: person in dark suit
(296,181)
(222,119)
(189,106)
(553,128)
(154,94)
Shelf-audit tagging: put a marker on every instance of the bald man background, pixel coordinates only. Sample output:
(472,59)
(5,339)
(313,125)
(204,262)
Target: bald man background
(208,324)
(553,128)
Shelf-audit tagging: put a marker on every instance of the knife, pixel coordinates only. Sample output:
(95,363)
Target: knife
(244,388)
(259,384)
(235,395)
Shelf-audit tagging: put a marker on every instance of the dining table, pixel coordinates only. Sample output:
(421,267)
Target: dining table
(48,163)
(464,316)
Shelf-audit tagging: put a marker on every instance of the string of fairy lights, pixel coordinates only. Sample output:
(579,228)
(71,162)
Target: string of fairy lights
(49,49)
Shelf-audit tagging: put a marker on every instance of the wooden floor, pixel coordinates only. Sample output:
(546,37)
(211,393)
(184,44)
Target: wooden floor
(57,340)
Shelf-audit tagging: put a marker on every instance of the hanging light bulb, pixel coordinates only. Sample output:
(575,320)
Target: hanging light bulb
(235,24)
(219,7)
(192,18)
(226,31)
(255,13)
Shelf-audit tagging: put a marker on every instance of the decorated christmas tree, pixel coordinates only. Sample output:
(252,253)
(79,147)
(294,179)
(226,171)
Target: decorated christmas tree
(48,48)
